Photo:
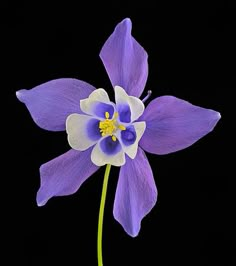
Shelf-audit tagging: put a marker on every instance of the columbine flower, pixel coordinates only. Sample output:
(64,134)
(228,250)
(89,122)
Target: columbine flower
(101,132)
(108,127)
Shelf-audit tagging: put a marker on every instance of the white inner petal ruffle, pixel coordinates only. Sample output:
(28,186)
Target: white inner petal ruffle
(99,158)
(135,104)
(99,95)
(132,149)
(76,128)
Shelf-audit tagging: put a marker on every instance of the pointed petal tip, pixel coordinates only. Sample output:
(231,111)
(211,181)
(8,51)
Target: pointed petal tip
(127,21)
(133,232)
(127,24)
(41,199)
(20,94)
(215,119)
(40,203)
(17,94)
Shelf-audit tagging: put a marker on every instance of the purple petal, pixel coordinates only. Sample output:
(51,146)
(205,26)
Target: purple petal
(64,175)
(125,60)
(173,124)
(136,193)
(50,103)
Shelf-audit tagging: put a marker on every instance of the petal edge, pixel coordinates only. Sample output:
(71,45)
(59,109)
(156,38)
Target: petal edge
(64,175)
(136,193)
(173,124)
(125,60)
(50,103)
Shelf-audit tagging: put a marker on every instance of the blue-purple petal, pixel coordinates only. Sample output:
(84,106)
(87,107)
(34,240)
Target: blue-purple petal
(125,60)
(124,113)
(110,147)
(100,109)
(64,175)
(128,136)
(173,124)
(93,130)
(52,102)
(136,193)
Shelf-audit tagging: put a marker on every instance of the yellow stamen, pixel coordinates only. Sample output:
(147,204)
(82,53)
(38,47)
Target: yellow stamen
(109,126)
(107,115)
(121,127)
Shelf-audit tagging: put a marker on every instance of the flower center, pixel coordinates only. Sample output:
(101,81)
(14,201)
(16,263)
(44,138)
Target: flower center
(109,126)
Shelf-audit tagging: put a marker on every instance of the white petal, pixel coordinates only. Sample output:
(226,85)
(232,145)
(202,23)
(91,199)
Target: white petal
(99,95)
(135,104)
(131,150)
(76,128)
(99,158)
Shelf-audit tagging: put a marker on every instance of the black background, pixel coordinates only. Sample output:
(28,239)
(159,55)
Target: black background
(191,56)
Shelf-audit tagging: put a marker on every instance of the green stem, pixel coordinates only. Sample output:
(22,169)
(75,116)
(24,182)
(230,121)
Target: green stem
(101,213)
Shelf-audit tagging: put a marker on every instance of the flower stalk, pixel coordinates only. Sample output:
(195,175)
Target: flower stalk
(101,214)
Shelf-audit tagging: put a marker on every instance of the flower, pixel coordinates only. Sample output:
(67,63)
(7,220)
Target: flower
(101,132)
(108,127)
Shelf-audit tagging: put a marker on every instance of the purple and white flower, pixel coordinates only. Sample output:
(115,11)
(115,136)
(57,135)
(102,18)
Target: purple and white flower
(108,127)
(102,132)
